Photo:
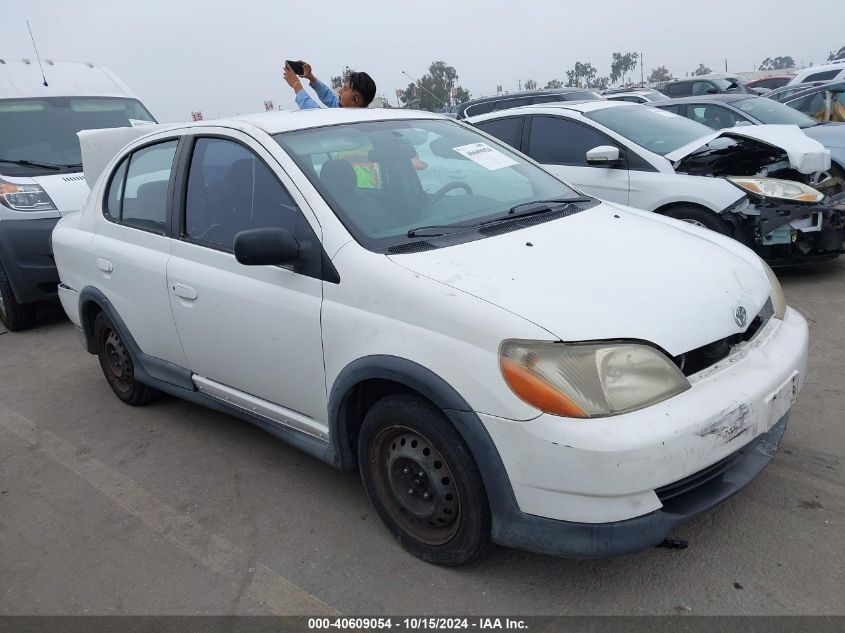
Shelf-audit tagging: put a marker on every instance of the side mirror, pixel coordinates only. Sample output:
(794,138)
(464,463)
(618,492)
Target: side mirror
(266,247)
(603,156)
(743,123)
(712,91)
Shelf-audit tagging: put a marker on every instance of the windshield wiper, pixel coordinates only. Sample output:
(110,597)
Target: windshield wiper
(521,210)
(30,163)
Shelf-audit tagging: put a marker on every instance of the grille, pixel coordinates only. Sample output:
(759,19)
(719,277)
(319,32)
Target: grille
(506,226)
(703,357)
(411,247)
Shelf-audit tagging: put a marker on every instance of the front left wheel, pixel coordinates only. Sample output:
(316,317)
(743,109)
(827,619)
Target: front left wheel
(423,481)
(13,315)
(117,365)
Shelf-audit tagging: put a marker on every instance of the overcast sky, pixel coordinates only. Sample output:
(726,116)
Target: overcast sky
(225,57)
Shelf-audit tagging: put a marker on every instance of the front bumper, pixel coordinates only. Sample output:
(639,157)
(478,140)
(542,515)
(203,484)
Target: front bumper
(602,476)
(28,259)
(799,233)
(704,491)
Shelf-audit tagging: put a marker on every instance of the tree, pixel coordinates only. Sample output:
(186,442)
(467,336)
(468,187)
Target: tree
(778,63)
(460,96)
(660,74)
(583,75)
(701,70)
(837,55)
(436,90)
(530,84)
(553,84)
(622,64)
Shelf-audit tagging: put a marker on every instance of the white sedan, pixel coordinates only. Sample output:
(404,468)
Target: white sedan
(498,356)
(750,183)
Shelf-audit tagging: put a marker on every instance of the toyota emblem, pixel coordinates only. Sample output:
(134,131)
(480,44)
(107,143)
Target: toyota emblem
(740,316)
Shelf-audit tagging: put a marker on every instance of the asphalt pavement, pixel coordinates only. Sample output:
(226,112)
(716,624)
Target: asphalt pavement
(175,509)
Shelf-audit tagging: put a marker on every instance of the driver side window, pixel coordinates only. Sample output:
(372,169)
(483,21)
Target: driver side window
(558,141)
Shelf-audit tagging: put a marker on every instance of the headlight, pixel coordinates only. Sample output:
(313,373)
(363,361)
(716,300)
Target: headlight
(589,380)
(25,197)
(776,188)
(778,300)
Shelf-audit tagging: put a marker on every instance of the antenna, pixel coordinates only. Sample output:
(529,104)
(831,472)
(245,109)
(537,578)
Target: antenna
(419,83)
(37,56)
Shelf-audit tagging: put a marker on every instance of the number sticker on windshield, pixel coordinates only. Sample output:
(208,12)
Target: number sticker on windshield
(485,156)
(139,122)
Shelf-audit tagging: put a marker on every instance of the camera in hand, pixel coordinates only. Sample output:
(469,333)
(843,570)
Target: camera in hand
(297,67)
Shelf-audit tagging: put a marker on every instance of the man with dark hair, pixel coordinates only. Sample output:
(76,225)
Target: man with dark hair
(358,90)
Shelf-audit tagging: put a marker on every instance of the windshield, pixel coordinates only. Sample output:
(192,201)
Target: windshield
(656,130)
(385,178)
(44,130)
(770,111)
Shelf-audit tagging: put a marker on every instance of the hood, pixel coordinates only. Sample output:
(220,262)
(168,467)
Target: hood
(755,148)
(67,191)
(828,134)
(609,273)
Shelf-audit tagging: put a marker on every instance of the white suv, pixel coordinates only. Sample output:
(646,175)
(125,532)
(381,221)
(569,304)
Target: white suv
(499,356)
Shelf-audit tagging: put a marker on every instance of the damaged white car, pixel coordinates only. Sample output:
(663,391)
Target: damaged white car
(491,373)
(753,183)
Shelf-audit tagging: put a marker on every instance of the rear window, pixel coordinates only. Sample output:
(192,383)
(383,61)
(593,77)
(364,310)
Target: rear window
(824,76)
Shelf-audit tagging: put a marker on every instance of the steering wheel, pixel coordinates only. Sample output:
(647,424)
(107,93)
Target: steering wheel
(438,195)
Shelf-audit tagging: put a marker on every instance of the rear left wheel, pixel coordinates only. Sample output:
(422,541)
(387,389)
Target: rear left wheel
(117,365)
(423,482)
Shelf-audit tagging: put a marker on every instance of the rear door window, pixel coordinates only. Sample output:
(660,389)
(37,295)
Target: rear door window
(507,130)
(702,88)
(714,116)
(137,194)
(681,89)
(507,104)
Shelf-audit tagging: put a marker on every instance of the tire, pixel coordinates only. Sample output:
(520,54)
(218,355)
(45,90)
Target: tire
(700,217)
(422,480)
(117,364)
(13,315)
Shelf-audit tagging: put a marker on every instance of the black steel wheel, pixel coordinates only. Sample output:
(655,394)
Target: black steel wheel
(13,315)
(117,365)
(423,481)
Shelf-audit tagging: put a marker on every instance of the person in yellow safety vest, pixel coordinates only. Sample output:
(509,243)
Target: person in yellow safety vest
(358,91)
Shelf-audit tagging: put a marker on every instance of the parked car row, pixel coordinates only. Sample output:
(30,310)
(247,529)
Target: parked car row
(751,183)
(726,111)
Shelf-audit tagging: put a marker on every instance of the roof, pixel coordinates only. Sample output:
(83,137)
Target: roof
(556,106)
(526,93)
(626,91)
(22,79)
(275,122)
(724,98)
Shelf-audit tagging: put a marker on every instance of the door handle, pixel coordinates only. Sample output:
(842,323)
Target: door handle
(185,292)
(105,265)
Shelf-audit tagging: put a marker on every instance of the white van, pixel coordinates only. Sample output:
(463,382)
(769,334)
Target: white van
(41,167)
(829,72)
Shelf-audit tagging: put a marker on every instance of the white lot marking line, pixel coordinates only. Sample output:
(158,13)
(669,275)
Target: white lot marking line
(266,587)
